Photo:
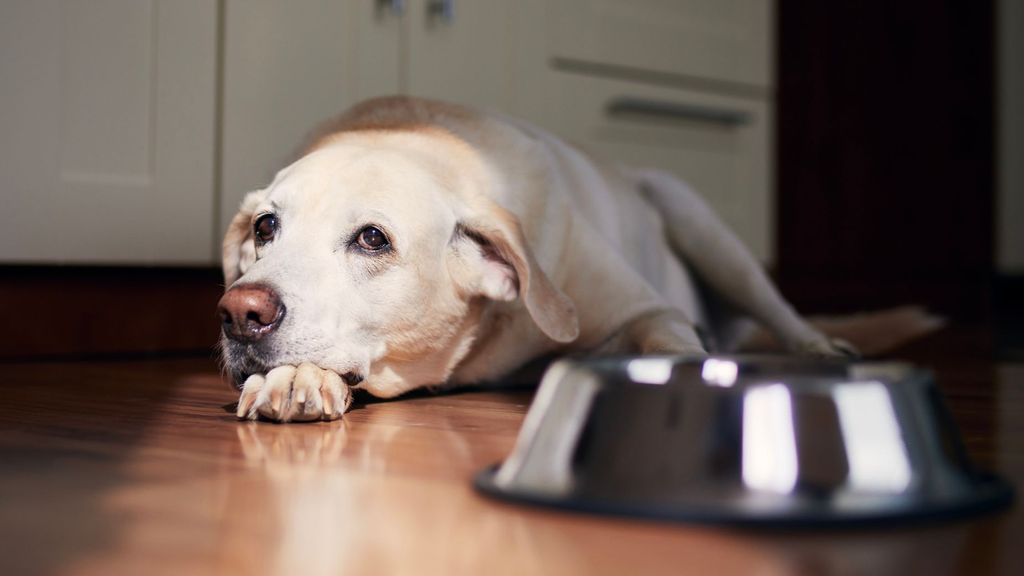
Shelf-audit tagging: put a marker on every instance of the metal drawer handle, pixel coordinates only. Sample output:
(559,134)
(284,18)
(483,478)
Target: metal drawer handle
(396,7)
(441,11)
(628,106)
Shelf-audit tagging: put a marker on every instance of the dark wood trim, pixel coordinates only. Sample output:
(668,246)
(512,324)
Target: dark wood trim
(87,312)
(1008,308)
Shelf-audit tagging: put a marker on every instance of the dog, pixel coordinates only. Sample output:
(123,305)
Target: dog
(416,243)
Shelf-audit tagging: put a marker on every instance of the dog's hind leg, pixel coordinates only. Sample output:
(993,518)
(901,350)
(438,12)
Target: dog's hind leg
(722,262)
(659,331)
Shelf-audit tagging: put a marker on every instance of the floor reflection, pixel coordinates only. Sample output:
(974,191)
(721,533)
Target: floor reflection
(389,492)
(135,469)
(331,499)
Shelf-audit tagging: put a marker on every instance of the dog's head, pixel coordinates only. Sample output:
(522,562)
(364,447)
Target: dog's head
(374,256)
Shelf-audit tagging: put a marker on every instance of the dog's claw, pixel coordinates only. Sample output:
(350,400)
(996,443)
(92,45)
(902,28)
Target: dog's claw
(288,394)
(827,348)
(845,348)
(328,407)
(336,395)
(250,390)
(274,399)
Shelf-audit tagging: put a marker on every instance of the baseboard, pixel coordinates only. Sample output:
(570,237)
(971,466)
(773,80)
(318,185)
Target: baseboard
(966,299)
(108,312)
(90,312)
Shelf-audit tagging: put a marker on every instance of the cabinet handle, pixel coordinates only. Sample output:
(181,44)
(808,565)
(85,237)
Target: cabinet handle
(441,11)
(628,106)
(396,7)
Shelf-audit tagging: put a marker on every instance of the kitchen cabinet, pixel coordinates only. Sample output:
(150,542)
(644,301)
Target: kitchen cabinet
(107,124)
(136,127)
(715,43)
(291,64)
(682,85)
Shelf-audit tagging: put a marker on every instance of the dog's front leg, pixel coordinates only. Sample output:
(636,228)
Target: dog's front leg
(294,394)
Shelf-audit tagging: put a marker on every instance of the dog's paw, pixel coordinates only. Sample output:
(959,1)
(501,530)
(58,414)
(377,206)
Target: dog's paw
(294,394)
(827,348)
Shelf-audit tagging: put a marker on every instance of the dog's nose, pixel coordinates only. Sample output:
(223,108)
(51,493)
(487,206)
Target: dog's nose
(250,312)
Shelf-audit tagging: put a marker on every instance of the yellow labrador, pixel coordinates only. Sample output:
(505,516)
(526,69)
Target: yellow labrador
(417,243)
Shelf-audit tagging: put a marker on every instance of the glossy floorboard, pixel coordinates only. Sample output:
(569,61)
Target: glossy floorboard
(139,468)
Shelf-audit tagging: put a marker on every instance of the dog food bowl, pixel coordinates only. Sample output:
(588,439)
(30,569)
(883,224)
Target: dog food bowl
(743,440)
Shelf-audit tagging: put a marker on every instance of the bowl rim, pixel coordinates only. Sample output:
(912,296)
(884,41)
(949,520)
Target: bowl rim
(989,493)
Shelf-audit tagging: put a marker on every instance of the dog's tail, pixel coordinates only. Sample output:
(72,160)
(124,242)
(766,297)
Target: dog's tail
(871,333)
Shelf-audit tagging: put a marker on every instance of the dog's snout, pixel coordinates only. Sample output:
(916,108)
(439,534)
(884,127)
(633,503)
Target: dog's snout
(250,312)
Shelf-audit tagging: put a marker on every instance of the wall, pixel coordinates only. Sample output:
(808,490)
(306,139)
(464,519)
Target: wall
(1010,134)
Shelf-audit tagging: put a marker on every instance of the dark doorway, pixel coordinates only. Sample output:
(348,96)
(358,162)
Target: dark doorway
(885,155)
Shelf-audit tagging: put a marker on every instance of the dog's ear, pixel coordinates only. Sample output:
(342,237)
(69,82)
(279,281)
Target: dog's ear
(238,251)
(493,260)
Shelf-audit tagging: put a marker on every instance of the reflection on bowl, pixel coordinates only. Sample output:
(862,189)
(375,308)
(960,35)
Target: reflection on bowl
(745,440)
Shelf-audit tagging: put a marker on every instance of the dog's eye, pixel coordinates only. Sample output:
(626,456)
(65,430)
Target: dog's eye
(265,228)
(371,238)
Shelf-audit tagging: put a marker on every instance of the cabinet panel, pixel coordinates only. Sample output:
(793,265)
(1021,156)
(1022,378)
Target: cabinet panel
(463,55)
(719,145)
(724,40)
(288,65)
(89,107)
(107,130)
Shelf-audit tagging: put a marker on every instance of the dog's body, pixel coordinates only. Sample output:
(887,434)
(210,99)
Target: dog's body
(417,243)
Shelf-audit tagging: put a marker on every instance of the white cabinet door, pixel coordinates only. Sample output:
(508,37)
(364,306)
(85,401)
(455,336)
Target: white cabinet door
(288,65)
(107,130)
(462,51)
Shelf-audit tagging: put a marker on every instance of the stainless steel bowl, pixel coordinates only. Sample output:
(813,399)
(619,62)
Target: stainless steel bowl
(743,440)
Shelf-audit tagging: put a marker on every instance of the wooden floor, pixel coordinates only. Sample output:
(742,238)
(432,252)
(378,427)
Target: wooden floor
(138,467)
